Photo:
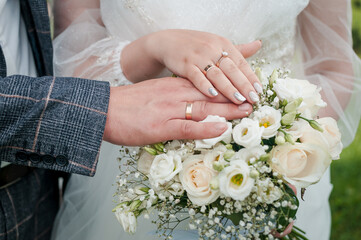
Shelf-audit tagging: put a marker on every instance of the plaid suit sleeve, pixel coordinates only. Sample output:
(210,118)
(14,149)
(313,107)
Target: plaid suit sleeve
(52,122)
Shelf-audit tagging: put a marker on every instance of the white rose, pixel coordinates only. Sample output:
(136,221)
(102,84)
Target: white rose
(127,220)
(301,164)
(164,168)
(270,119)
(234,180)
(332,134)
(196,178)
(249,154)
(210,142)
(330,138)
(247,133)
(144,162)
(291,89)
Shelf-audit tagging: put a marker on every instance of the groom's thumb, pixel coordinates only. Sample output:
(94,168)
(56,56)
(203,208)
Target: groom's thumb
(249,49)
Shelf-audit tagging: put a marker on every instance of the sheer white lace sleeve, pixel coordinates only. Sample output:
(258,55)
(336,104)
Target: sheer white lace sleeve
(86,50)
(324,37)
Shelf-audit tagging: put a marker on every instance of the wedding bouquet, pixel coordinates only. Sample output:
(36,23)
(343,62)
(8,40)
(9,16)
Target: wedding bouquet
(235,186)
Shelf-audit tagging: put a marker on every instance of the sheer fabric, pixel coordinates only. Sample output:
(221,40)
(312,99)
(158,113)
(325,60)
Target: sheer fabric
(312,38)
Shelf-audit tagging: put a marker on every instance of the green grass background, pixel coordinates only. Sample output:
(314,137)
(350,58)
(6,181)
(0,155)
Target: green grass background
(345,199)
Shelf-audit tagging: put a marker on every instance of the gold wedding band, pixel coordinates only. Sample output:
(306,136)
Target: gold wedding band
(224,55)
(189,107)
(207,68)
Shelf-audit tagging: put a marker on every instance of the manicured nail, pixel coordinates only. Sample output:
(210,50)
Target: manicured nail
(239,97)
(257,87)
(244,107)
(213,91)
(254,97)
(220,126)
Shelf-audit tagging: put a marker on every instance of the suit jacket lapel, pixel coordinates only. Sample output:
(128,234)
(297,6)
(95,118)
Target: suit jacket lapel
(36,18)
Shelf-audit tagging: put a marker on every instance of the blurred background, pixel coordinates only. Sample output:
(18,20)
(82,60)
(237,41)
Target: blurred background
(345,173)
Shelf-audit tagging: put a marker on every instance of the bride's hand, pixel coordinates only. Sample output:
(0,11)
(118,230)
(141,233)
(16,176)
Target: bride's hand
(190,54)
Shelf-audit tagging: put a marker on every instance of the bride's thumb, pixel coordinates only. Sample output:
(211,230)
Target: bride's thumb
(249,49)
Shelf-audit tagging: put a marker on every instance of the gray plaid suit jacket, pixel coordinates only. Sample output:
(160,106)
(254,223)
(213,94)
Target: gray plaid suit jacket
(50,123)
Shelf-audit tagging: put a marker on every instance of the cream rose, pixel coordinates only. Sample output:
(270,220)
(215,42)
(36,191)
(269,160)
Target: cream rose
(164,167)
(291,89)
(330,138)
(127,220)
(270,119)
(234,180)
(196,178)
(210,142)
(247,133)
(301,164)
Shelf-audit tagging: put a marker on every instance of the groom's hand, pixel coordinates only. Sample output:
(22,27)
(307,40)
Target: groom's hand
(154,111)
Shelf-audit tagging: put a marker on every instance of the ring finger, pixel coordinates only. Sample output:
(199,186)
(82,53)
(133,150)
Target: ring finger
(224,85)
(239,80)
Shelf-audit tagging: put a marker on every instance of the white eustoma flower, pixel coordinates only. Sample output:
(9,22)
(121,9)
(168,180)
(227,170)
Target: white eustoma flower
(215,155)
(291,89)
(127,220)
(164,167)
(270,119)
(210,142)
(234,180)
(301,164)
(196,178)
(247,133)
(249,154)
(330,138)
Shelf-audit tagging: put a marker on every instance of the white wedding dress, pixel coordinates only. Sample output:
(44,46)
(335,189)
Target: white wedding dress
(86,212)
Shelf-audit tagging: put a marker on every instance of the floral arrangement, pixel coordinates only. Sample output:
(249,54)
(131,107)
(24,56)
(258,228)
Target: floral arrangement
(235,186)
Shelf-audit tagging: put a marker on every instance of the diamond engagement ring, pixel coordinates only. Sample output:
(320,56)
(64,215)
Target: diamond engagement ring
(189,107)
(224,55)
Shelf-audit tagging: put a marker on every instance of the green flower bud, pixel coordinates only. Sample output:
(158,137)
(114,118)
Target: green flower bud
(144,189)
(314,124)
(159,147)
(151,151)
(229,146)
(274,77)
(292,106)
(254,174)
(135,205)
(289,138)
(288,118)
(218,166)
(214,184)
(228,154)
(258,73)
(280,140)
(264,157)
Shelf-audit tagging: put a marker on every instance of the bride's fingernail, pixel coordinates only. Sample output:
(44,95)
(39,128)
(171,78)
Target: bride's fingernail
(220,126)
(254,97)
(244,107)
(258,87)
(239,97)
(213,91)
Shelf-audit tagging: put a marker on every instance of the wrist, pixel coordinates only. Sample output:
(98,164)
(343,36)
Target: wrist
(138,60)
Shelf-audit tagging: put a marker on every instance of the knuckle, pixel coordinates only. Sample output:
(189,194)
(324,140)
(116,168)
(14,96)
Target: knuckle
(242,63)
(203,109)
(186,128)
